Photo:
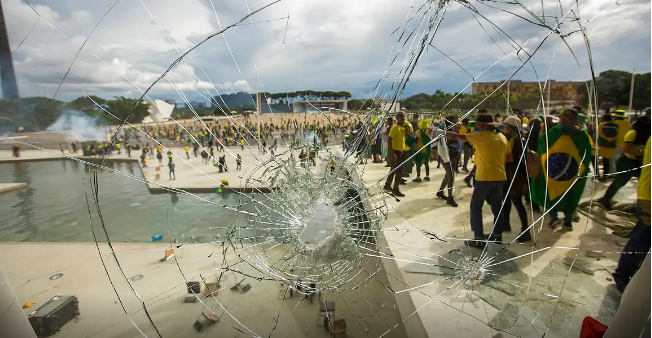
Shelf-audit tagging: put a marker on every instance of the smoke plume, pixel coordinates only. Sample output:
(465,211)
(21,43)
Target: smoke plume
(79,126)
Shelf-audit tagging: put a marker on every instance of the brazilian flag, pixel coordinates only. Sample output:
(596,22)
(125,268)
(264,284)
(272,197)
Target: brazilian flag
(565,157)
(411,143)
(424,155)
(607,135)
(623,126)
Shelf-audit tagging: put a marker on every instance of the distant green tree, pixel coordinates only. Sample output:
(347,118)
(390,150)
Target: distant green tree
(85,104)
(30,113)
(613,89)
(122,106)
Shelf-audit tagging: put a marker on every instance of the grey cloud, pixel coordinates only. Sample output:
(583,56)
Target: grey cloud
(329,45)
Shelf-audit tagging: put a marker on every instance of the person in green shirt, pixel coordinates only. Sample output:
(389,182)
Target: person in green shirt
(423,149)
(565,152)
(630,161)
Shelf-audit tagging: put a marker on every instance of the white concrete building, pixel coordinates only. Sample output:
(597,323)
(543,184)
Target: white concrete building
(159,111)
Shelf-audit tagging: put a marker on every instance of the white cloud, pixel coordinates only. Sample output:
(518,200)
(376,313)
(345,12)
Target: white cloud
(328,45)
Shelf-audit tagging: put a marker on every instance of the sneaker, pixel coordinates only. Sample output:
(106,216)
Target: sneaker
(467,180)
(465,170)
(398,193)
(605,202)
(418,179)
(402,182)
(451,201)
(387,188)
(524,237)
(554,223)
(440,194)
(426,178)
(576,217)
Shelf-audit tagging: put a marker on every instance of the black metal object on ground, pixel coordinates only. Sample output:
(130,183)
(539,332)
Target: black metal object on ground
(49,318)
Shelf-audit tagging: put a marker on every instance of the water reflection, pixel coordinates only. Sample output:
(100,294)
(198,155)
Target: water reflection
(25,203)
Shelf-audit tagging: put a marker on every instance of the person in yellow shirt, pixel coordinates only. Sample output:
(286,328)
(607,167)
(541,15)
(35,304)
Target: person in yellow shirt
(620,118)
(630,162)
(492,151)
(397,152)
(186,149)
(638,244)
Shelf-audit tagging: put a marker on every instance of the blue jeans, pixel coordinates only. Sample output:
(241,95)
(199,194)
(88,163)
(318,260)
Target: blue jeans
(492,191)
(637,247)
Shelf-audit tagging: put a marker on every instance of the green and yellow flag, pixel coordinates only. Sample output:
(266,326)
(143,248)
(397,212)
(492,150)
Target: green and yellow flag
(607,135)
(565,157)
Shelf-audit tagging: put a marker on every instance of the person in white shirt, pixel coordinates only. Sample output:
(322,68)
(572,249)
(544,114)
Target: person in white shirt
(448,162)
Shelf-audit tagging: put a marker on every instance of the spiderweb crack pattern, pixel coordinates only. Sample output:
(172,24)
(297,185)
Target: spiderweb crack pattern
(265,245)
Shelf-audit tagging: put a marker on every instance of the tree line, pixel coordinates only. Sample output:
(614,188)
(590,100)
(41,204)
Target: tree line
(38,113)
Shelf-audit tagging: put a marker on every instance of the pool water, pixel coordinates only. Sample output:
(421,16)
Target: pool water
(53,207)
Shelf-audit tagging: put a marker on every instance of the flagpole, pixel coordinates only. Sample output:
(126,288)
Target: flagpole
(507,108)
(631,90)
(258,108)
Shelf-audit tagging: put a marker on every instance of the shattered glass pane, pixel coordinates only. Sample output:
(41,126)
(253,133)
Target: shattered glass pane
(273,220)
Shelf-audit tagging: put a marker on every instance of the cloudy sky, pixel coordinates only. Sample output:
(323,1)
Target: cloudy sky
(324,45)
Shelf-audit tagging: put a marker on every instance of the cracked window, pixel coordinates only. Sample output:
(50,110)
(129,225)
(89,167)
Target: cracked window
(175,176)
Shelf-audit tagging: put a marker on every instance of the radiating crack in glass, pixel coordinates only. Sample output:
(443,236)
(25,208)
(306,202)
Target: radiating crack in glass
(284,194)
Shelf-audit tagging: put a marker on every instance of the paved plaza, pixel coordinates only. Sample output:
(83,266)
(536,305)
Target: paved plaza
(442,308)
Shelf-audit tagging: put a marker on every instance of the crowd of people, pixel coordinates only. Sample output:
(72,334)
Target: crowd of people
(544,161)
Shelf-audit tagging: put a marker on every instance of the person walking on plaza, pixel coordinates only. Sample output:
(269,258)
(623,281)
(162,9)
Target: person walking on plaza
(630,162)
(491,153)
(565,153)
(204,156)
(187,154)
(620,118)
(638,244)
(448,159)
(423,149)
(607,135)
(396,139)
(410,144)
(517,179)
(159,156)
(386,144)
(468,149)
(238,162)
(171,167)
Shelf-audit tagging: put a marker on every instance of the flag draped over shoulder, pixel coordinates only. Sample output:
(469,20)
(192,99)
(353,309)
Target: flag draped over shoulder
(424,154)
(607,135)
(565,156)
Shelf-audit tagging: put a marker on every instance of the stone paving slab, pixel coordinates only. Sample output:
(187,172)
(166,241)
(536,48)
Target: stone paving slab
(405,233)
